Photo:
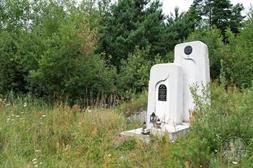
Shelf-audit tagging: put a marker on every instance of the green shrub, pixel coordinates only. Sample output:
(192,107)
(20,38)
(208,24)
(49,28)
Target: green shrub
(134,72)
(12,71)
(240,56)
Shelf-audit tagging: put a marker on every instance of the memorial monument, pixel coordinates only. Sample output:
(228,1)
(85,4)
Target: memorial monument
(170,101)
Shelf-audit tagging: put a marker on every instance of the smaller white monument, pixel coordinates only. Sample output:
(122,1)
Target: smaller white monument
(165,94)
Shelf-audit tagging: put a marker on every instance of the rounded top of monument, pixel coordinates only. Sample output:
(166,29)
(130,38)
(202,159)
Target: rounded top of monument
(191,44)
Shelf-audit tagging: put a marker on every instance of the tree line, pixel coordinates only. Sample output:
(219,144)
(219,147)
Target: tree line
(68,50)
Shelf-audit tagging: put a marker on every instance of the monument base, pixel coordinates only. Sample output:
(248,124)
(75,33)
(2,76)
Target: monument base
(172,131)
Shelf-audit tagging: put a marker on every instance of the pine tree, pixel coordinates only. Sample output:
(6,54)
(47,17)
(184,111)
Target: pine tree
(219,13)
(180,25)
(133,23)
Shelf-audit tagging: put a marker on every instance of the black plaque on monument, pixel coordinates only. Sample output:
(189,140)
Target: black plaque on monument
(162,93)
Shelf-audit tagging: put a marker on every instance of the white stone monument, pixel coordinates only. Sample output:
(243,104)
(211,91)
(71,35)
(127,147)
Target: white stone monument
(165,94)
(193,57)
(170,101)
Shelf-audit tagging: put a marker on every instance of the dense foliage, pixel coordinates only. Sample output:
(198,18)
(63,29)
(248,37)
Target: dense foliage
(130,24)
(67,51)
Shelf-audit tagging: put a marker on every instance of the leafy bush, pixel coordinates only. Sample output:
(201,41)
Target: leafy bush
(12,71)
(134,72)
(240,56)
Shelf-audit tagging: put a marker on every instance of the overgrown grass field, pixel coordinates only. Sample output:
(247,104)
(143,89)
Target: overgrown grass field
(34,134)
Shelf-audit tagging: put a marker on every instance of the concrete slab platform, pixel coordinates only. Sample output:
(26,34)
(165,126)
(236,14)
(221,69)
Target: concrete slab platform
(136,133)
(173,132)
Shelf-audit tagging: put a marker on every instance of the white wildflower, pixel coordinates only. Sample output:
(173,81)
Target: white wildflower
(25,104)
(235,162)
(37,151)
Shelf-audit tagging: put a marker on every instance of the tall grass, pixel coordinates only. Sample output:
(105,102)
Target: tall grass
(34,134)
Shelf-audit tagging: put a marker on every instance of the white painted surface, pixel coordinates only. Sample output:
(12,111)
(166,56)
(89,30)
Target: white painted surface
(171,110)
(196,71)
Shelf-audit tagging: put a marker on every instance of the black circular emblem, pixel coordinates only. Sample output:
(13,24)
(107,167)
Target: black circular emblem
(188,50)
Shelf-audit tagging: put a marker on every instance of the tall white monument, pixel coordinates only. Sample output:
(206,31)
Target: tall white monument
(193,57)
